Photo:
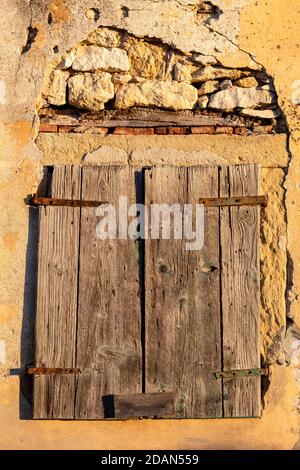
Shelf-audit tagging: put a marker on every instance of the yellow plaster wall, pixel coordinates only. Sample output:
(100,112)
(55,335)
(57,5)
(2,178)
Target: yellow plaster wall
(276,430)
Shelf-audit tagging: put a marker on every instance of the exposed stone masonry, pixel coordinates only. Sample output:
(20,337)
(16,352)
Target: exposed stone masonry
(112,69)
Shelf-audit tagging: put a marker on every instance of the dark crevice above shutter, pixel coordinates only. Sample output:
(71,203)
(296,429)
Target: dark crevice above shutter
(143,326)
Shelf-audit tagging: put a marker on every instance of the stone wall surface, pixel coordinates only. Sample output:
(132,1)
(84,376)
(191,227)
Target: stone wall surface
(186,44)
(155,75)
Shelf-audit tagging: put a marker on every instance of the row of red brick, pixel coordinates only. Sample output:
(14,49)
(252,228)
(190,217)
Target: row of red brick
(267,129)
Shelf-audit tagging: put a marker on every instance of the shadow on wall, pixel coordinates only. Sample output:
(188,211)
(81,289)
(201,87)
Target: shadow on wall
(29,309)
(28,322)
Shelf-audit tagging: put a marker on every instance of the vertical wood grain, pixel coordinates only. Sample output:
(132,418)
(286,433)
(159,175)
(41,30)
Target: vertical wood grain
(239,228)
(183,339)
(109,311)
(201,307)
(56,314)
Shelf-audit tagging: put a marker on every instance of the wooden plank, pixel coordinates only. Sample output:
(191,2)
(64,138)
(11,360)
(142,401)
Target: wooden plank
(55,335)
(239,229)
(144,405)
(141,117)
(109,310)
(183,338)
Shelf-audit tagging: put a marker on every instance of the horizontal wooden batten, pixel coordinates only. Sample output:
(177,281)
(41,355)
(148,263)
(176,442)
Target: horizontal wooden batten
(141,117)
(143,404)
(48,201)
(234,201)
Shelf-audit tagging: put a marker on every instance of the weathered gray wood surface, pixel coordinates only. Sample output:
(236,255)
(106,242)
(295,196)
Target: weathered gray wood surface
(88,303)
(56,313)
(144,404)
(239,229)
(183,337)
(201,307)
(141,117)
(109,311)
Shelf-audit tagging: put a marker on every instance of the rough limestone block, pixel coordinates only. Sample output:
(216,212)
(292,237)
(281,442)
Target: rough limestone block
(90,90)
(267,150)
(211,73)
(92,58)
(225,84)
(183,72)
(105,37)
(237,97)
(203,101)
(121,78)
(105,155)
(209,87)
(169,95)
(247,82)
(147,60)
(204,59)
(67,60)
(173,156)
(55,87)
(261,113)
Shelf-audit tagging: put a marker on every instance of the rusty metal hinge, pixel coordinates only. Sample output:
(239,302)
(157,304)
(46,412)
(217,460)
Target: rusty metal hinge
(36,201)
(231,374)
(234,201)
(218,375)
(52,370)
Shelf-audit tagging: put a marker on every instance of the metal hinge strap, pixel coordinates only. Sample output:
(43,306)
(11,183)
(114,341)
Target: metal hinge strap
(234,201)
(208,201)
(231,374)
(55,202)
(52,370)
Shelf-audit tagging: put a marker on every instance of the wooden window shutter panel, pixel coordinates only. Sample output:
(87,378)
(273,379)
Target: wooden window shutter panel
(57,306)
(88,311)
(201,307)
(240,290)
(183,337)
(109,311)
(199,319)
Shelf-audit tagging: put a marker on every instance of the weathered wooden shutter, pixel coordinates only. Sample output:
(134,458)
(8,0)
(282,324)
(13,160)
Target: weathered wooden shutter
(88,309)
(202,307)
(183,337)
(147,325)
